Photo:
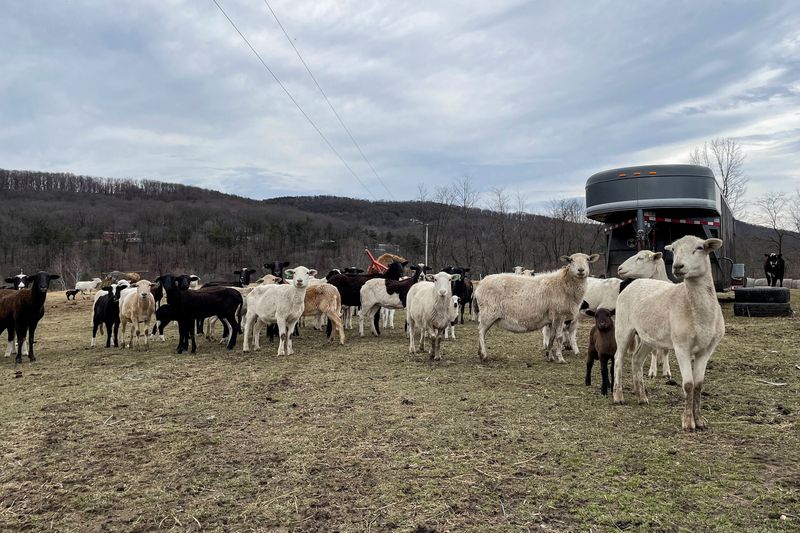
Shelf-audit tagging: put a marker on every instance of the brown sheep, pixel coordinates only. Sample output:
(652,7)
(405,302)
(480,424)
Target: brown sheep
(602,346)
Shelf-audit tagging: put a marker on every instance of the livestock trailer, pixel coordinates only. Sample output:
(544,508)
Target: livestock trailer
(650,206)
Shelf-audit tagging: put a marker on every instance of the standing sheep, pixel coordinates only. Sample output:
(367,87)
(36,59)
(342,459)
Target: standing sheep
(602,346)
(429,309)
(21,311)
(527,303)
(136,309)
(684,317)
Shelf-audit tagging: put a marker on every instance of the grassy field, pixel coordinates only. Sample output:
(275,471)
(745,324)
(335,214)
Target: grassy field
(367,437)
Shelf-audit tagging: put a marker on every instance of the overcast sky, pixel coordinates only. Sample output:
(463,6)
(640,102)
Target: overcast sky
(530,96)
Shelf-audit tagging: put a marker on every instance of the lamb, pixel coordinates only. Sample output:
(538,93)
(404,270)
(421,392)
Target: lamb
(71,294)
(429,308)
(278,304)
(524,303)
(684,317)
(137,309)
(189,306)
(384,293)
(106,313)
(602,346)
(462,288)
(86,287)
(455,307)
(20,311)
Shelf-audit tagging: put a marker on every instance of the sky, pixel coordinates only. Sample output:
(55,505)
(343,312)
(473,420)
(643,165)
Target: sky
(532,97)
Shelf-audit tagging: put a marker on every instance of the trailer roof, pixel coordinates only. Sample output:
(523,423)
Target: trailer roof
(626,189)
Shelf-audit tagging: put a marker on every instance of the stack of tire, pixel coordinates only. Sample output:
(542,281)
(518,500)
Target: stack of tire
(762,301)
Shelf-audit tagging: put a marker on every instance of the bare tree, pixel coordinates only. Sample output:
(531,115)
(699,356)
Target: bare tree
(466,198)
(725,157)
(774,213)
(423,195)
(565,229)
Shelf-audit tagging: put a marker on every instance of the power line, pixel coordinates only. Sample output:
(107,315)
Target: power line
(339,118)
(294,101)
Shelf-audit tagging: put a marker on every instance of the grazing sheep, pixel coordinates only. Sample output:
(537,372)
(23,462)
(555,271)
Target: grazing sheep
(136,309)
(278,304)
(602,346)
(527,303)
(21,311)
(428,309)
(684,317)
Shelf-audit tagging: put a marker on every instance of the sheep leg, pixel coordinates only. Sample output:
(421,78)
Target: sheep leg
(436,339)
(653,372)
(10,347)
(146,338)
(637,369)
(663,356)
(124,328)
(31,333)
(257,335)
(289,349)
(698,376)
(625,342)
(589,365)
(361,325)
(248,330)
(94,334)
(375,321)
(411,347)
(572,332)
(687,377)
(333,318)
(422,331)
(604,386)
(483,328)
(282,337)
(556,340)
(545,336)
(233,330)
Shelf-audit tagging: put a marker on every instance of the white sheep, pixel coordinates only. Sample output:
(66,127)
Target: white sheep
(86,287)
(522,271)
(524,303)
(428,309)
(455,308)
(137,308)
(649,265)
(278,304)
(684,317)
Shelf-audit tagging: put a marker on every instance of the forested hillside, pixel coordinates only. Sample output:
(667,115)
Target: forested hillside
(80,226)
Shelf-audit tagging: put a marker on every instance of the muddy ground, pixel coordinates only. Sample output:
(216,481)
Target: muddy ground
(367,437)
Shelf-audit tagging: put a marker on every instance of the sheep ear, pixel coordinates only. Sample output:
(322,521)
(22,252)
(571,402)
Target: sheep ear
(588,312)
(429,277)
(465,270)
(455,277)
(594,258)
(285,264)
(712,244)
(251,270)
(765,255)
(192,278)
(237,271)
(312,272)
(288,273)
(565,258)
(780,256)
(54,276)
(613,312)
(668,247)
(657,255)
(10,280)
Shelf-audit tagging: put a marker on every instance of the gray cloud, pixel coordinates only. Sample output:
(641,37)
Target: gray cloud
(529,96)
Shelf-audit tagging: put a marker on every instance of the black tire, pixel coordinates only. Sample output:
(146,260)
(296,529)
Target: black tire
(773,295)
(762,309)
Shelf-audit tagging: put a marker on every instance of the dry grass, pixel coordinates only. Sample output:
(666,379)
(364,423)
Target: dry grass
(366,437)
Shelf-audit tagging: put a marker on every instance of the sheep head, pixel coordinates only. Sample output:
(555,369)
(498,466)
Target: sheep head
(690,256)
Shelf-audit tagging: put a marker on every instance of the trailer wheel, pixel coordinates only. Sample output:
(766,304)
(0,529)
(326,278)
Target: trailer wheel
(775,295)
(762,309)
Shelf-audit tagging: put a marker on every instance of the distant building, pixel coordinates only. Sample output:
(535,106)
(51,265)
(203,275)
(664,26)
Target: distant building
(385,248)
(121,236)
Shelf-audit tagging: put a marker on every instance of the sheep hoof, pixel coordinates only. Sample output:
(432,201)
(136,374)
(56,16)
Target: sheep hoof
(688,422)
(643,400)
(700,424)
(652,374)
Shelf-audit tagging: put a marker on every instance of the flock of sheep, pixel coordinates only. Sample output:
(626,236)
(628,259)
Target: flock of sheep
(653,315)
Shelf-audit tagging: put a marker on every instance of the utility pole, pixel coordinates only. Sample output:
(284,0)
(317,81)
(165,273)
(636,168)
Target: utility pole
(426,224)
